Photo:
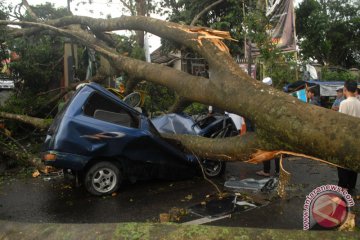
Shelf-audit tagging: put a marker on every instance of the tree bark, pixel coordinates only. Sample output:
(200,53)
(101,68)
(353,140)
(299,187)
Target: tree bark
(36,122)
(282,121)
(180,102)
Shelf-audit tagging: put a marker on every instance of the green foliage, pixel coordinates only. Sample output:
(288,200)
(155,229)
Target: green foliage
(158,98)
(340,75)
(46,12)
(281,67)
(282,72)
(24,104)
(40,61)
(195,109)
(3,11)
(39,68)
(328,31)
(256,26)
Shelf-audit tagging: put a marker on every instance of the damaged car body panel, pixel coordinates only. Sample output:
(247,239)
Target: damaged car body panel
(96,126)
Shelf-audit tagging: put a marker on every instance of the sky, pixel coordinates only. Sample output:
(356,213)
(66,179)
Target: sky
(99,9)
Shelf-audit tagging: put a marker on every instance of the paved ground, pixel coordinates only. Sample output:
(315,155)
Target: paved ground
(35,200)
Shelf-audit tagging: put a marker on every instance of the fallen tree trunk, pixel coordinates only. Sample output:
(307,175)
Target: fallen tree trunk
(36,122)
(282,122)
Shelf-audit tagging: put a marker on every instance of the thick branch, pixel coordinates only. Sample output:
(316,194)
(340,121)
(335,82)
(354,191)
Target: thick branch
(130,85)
(205,10)
(35,122)
(238,148)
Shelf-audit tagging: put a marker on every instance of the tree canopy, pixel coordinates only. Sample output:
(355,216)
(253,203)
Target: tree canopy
(328,31)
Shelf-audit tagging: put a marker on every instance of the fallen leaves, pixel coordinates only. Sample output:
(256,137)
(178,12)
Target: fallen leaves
(164,217)
(175,214)
(36,174)
(349,224)
(46,170)
(187,198)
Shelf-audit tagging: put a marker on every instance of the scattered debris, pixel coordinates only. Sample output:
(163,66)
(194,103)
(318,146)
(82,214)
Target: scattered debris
(264,185)
(214,207)
(36,174)
(349,224)
(177,213)
(164,217)
(244,203)
(284,178)
(189,197)
(48,172)
(66,187)
(53,175)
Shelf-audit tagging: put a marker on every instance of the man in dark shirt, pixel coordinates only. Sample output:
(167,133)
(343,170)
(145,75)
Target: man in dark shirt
(312,98)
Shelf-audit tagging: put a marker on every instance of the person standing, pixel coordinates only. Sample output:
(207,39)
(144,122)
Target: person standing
(312,98)
(338,100)
(350,106)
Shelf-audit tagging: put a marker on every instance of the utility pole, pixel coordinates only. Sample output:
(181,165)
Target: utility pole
(70,58)
(249,53)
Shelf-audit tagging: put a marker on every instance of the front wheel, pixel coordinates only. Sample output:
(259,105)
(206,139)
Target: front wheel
(213,168)
(102,178)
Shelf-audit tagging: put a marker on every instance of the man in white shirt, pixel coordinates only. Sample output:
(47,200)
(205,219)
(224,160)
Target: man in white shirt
(350,106)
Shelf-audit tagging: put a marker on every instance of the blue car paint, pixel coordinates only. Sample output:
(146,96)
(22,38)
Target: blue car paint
(78,139)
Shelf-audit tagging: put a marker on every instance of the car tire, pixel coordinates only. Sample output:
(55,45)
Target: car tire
(213,168)
(102,178)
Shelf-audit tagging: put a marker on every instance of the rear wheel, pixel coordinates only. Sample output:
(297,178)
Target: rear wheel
(213,168)
(102,178)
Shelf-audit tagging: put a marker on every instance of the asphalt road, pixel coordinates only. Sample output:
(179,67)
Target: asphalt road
(29,199)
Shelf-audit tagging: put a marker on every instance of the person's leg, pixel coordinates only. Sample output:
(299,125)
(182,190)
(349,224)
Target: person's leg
(343,178)
(266,166)
(266,171)
(352,179)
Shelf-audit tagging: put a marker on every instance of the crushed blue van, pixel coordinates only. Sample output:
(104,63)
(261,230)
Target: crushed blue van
(103,142)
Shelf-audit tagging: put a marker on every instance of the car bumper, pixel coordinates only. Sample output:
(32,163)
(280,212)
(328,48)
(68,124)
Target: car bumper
(64,160)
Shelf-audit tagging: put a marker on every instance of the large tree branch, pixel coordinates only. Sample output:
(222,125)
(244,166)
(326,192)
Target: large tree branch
(36,122)
(239,148)
(316,131)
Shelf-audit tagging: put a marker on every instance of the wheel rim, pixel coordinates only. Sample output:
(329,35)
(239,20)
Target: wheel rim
(104,180)
(212,168)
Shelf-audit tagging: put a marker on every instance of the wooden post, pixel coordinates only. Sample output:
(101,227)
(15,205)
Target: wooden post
(70,62)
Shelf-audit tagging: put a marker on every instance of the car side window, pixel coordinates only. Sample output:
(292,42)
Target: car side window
(105,109)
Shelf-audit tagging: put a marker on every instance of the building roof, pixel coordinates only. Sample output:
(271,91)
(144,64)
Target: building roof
(158,57)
